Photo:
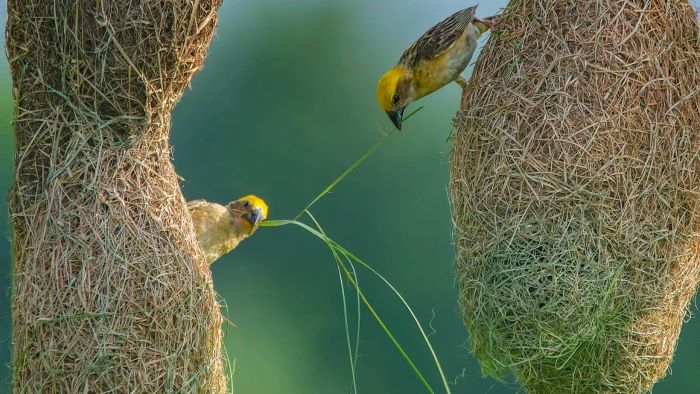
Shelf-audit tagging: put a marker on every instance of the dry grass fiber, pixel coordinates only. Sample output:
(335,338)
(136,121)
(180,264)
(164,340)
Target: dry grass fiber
(575,191)
(111,291)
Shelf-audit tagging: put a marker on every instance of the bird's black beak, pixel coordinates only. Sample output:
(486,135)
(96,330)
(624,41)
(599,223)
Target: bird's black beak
(396,117)
(254,216)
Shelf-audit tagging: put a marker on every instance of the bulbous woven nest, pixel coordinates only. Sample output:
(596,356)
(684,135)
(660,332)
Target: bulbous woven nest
(575,190)
(111,291)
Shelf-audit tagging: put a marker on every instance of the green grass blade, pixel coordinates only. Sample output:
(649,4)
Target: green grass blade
(369,306)
(352,357)
(347,333)
(344,174)
(358,309)
(352,277)
(410,310)
(335,248)
(352,167)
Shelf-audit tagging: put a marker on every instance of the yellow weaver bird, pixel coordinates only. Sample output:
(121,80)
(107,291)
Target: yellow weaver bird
(437,58)
(221,228)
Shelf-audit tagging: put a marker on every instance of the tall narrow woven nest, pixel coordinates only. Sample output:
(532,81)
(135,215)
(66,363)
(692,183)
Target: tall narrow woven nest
(575,191)
(111,291)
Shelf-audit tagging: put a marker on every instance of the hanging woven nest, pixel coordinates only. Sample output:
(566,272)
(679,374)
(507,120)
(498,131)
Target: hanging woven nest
(111,292)
(575,191)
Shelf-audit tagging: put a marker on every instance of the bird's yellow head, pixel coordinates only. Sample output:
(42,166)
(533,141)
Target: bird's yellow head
(394,92)
(249,210)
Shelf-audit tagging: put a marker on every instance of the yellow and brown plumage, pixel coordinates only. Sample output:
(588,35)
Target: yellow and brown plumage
(437,58)
(221,228)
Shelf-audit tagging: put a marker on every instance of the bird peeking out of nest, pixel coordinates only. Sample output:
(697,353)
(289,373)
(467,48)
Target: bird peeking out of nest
(437,58)
(221,228)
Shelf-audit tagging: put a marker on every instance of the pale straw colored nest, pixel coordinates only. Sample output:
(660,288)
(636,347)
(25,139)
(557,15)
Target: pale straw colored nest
(575,191)
(111,292)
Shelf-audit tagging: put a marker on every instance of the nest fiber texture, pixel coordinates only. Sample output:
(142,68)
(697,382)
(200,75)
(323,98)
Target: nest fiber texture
(111,292)
(575,191)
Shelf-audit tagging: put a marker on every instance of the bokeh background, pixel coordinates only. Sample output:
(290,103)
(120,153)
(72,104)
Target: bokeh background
(285,102)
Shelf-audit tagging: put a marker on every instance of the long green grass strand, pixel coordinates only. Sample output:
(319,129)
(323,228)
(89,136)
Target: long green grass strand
(352,168)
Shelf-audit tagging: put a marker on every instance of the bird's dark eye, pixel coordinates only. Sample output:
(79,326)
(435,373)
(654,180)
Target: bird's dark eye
(246,204)
(395,100)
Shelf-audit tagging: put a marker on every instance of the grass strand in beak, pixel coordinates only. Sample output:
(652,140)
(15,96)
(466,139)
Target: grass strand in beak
(352,168)
(353,357)
(337,250)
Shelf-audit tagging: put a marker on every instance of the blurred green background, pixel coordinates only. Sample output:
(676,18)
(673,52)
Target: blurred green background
(285,102)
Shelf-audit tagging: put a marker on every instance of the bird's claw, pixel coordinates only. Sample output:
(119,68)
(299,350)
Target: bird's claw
(491,22)
(484,22)
(463,84)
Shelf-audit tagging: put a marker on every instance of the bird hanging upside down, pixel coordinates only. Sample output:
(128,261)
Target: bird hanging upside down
(221,228)
(437,58)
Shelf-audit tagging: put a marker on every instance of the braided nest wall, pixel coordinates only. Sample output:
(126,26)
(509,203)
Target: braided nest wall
(111,292)
(575,191)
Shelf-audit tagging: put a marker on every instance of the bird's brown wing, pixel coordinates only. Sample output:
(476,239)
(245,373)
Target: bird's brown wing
(439,38)
(205,215)
(195,204)
(214,232)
